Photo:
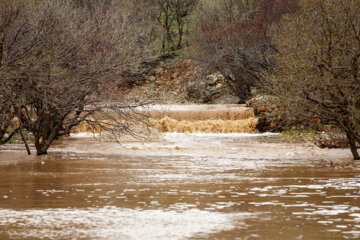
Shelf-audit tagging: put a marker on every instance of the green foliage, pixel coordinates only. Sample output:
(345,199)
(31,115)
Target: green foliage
(298,134)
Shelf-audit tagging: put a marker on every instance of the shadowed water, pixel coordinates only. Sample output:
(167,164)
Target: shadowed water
(185,186)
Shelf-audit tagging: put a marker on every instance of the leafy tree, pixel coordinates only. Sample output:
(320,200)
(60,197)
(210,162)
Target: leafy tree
(317,74)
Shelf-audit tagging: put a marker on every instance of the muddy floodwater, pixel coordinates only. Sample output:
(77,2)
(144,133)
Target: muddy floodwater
(184,186)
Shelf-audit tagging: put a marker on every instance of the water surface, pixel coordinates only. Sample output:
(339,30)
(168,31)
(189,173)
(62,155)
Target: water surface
(185,186)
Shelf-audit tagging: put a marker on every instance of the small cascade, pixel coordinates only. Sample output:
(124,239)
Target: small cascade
(193,119)
(167,124)
(204,118)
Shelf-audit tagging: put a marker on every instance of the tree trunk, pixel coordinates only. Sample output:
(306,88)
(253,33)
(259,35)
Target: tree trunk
(43,146)
(40,152)
(6,140)
(180,33)
(25,142)
(353,147)
(2,40)
(46,132)
(163,45)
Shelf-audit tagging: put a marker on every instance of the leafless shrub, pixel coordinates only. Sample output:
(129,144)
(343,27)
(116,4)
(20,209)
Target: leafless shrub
(64,62)
(318,67)
(332,141)
(9,15)
(233,36)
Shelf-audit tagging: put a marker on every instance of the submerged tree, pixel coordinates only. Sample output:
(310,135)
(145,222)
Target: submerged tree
(318,65)
(63,62)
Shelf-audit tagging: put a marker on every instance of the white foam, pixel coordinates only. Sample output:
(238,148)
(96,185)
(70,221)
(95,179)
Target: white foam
(116,223)
(84,135)
(198,107)
(171,136)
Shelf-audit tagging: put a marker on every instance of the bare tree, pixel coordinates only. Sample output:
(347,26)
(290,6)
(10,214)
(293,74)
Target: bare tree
(65,62)
(182,9)
(318,71)
(7,116)
(171,16)
(233,37)
(9,14)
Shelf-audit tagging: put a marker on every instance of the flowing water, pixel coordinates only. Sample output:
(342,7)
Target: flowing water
(182,186)
(200,118)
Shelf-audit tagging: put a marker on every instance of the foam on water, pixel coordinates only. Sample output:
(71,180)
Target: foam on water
(168,107)
(84,135)
(115,223)
(198,185)
(176,135)
(184,136)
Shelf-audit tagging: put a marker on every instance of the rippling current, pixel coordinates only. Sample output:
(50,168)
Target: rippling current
(185,186)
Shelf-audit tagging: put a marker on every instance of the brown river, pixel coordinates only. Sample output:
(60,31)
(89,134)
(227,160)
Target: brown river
(181,186)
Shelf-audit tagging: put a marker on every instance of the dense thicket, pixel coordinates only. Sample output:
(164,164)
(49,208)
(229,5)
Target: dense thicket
(317,72)
(233,37)
(60,61)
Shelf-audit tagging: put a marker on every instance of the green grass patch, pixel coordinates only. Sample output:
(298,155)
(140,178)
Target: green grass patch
(298,134)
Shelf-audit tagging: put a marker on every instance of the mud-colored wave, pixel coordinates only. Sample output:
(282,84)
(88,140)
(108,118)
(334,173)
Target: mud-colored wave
(206,114)
(167,124)
(192,119)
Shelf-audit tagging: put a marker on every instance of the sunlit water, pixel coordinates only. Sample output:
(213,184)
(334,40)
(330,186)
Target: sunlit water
(186,186)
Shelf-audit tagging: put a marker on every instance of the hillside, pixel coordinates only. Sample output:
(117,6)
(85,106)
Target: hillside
(181,81)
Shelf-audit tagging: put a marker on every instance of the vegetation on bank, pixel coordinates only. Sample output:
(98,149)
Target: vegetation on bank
(61,60)
(316,76)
